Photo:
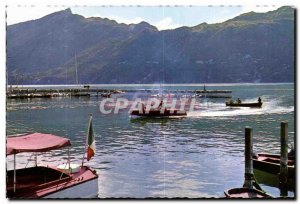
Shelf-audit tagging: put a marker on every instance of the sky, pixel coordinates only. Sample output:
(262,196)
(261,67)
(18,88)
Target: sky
(163,17)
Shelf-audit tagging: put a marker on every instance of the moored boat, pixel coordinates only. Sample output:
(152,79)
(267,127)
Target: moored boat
(71,181)
(271,163)
(245,193)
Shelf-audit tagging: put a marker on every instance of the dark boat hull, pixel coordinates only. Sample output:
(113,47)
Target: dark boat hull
(80,95)
(245,193)
(271,163)
(106,95)
(157,113)
(252,105)
(49,182)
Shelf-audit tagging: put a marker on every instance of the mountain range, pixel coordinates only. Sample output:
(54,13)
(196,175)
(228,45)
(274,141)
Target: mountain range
(252,47)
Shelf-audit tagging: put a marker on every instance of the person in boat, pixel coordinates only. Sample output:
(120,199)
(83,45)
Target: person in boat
(160,104)
(230,101)
(259,100)
(291,153)
(254,155)
(143,108)
(239,101)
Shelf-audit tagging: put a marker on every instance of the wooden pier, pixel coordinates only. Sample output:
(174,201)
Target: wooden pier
(88,91)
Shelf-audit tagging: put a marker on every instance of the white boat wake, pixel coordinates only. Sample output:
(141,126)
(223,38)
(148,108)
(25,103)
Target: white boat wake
(220,110)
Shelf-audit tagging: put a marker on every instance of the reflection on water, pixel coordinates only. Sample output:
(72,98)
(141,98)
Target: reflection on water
(200,155)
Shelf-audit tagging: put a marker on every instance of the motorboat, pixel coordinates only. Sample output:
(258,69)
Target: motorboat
(105,95)
(239,103)
(251,105)
(158,113)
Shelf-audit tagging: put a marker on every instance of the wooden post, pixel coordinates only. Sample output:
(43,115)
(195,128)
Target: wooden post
(248,158)
(283,176)
(69,162)
(15,176)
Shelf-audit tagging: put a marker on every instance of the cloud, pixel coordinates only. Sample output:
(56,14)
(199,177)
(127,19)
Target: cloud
(119,19)
(163,24)
(166,23)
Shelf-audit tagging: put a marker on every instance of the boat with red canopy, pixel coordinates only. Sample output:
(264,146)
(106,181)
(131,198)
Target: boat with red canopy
(63,181)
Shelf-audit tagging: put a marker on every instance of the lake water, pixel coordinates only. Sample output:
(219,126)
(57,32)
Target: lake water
(201,155)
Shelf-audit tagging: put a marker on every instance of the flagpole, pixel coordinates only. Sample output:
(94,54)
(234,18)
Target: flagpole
(86,140)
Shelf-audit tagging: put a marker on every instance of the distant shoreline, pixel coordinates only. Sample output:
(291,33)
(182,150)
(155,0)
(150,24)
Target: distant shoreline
(149,85)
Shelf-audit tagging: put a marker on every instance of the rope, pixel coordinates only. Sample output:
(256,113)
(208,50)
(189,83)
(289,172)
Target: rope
(29,160)
(63,172)
(256,185)
(254,182)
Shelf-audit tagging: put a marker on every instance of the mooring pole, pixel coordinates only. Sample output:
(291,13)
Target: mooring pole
(69,161)
(248,160)
(15,177)
(283,176)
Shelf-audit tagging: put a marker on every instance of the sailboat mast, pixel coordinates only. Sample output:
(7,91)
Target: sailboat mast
(17,78)
(6,81)
(76,69)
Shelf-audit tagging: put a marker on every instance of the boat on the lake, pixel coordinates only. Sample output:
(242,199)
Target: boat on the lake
(251,105)
(62,181)
(105,95)
(239,103)
(245,193)
(271,163)
(158,112)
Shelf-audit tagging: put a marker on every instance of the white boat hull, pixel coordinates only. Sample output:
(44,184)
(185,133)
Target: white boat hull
(87,189)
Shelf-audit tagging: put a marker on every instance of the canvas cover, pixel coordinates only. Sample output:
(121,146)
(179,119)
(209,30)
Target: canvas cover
(36,142)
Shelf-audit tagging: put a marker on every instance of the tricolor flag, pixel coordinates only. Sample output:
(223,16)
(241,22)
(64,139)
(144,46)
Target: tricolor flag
(91,150)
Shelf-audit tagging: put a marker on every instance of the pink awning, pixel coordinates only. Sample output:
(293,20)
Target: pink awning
(36,142)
